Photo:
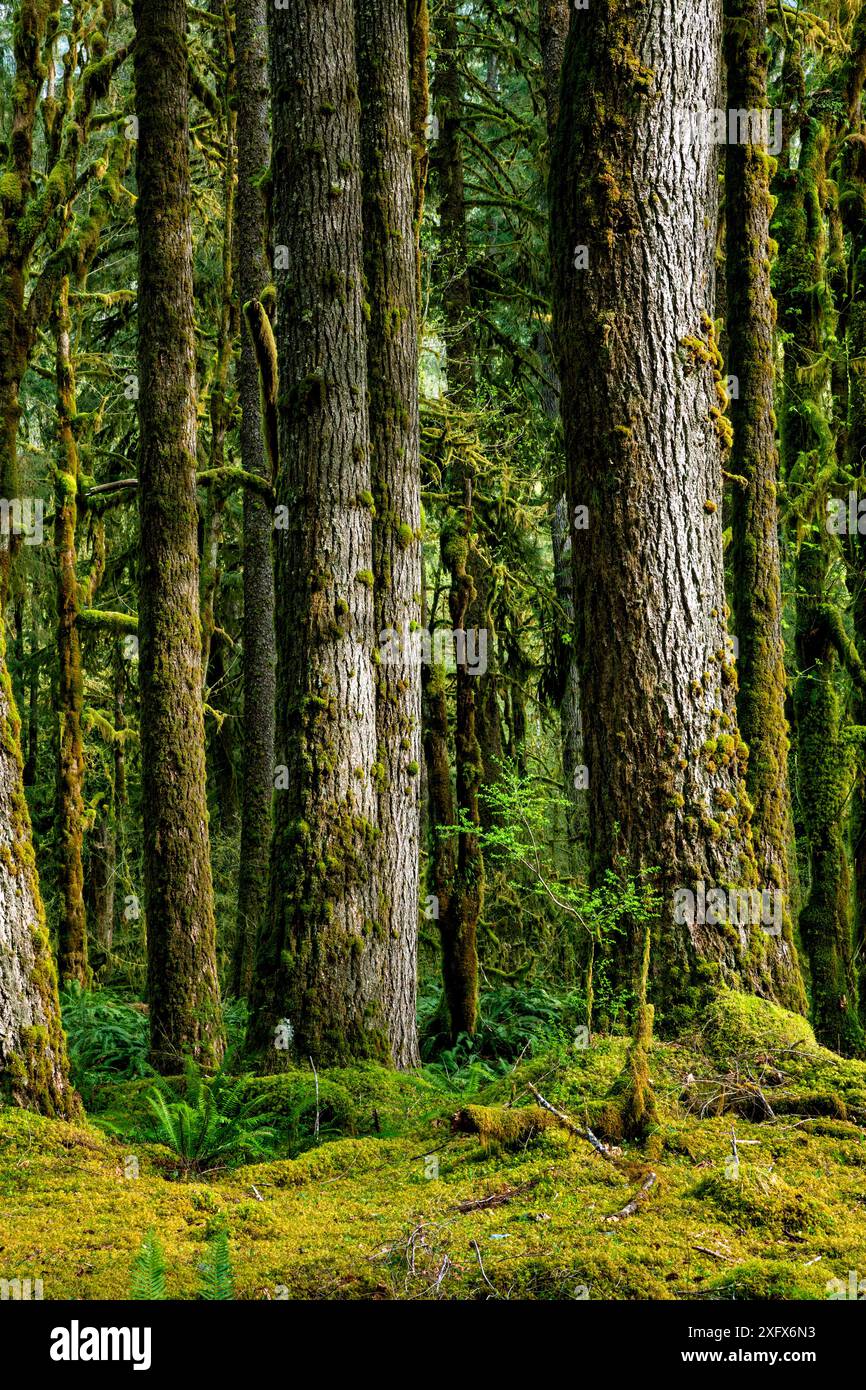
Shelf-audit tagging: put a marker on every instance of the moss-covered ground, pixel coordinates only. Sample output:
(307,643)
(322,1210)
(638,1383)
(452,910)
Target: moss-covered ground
(373,1209)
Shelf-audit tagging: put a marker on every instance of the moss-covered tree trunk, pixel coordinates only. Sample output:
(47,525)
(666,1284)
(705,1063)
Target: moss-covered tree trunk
(852,197)
(258,577)
(553,21)
(182,982)
(323,946)
(458,919)
(390,264)
(633,201)
(33,1066)
(824,756)
(69,800)
(757,597)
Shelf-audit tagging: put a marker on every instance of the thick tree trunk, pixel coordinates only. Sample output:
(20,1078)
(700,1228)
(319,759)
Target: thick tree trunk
(258,579)
(33,1066)
(757,591)
(638,366)
(390,265)
(182,980)
(322,948)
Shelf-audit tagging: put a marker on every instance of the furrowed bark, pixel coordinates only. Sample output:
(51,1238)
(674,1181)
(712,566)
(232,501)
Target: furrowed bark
(319,952)
(391,272)
(636,187)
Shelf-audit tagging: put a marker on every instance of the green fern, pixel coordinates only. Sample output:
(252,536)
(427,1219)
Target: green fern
(214,1126)
(148,1271)
(216,1269)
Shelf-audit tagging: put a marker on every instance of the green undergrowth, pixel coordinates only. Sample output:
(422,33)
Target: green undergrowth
(759,1150)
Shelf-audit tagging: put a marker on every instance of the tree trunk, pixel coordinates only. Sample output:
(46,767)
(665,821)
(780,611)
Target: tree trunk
(182,980)
(643,437)
(391,271)
(553,20)
(458,918)
(322,948)
(258,576)
(33,1065)
(757,589)
(69,801)
(101,872)
(824,759)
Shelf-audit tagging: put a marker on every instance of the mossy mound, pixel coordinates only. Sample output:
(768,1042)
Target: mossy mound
(350,1101)
(735,1023)
(402,1202)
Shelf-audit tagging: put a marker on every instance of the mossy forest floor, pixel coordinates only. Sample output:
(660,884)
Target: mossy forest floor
(360,1214)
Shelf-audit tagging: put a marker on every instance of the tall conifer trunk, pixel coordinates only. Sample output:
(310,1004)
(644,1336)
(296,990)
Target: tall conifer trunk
(258,621)
(755,564)
(320,952)
(182,982)
(633,192)
(390,263)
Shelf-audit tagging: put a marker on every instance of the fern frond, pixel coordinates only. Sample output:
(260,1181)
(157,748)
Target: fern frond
(216,1269)
(148,1271)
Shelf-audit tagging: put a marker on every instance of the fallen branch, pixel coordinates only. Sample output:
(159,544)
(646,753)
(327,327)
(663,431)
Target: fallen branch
(573,1128)
(631,1207)
(474,1245)
(496,1199)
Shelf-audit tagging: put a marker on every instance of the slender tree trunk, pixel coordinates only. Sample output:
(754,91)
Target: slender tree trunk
(757,592)
(419,98)
(458,919)
(69,801)
(182,980)
(258,577)
(553,20)
(823,756)
(33,701)
(391,270)
(100,879)
(633,200)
